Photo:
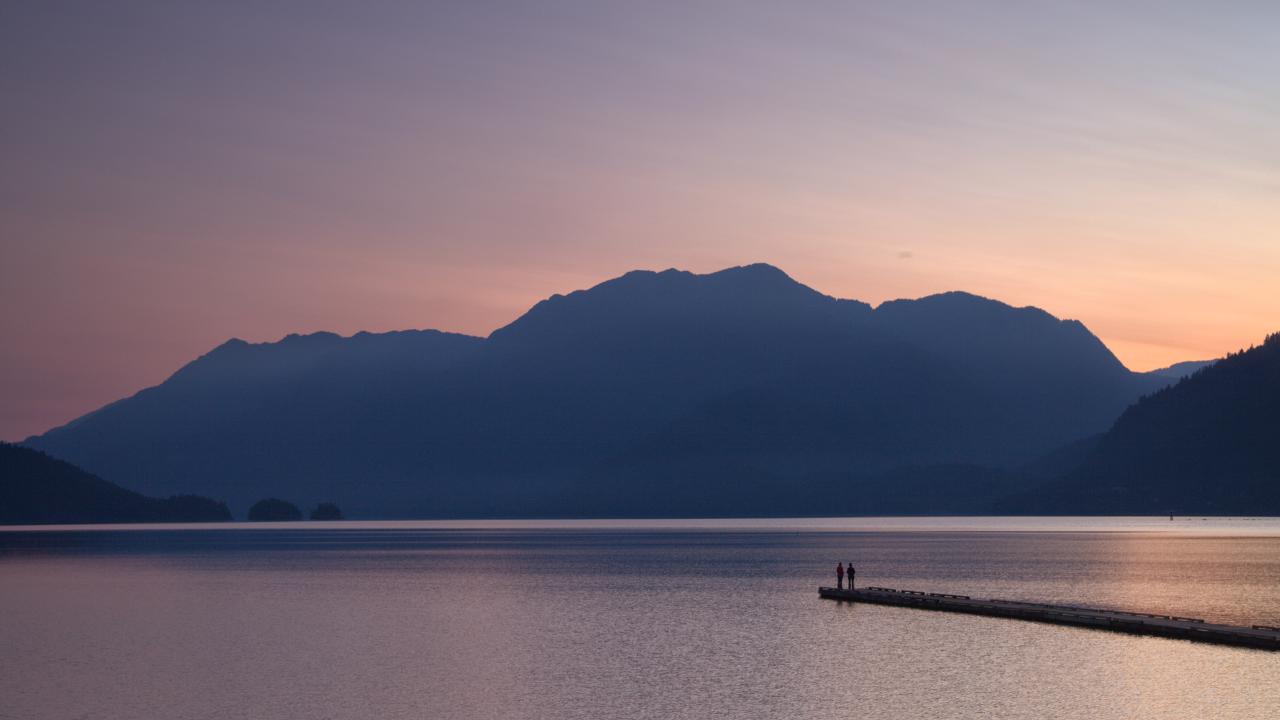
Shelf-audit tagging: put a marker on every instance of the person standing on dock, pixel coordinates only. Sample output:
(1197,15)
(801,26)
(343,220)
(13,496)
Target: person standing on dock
(839,576)
(851,572)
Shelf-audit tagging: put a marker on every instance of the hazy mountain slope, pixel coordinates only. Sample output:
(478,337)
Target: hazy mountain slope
(296,418)
(1063,460)
(1177,371)
(37,489)
(1040,381)
(680,383)
(1210,444)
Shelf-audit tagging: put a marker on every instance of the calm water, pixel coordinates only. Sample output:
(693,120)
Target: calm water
(677,619)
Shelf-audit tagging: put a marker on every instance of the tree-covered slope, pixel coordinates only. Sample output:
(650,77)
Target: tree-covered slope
(1209,445)
(37,489)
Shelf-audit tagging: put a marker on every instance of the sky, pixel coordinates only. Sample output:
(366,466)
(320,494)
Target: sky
(175,174)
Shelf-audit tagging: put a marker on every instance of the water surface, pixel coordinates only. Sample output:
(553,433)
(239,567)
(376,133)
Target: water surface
(626,619)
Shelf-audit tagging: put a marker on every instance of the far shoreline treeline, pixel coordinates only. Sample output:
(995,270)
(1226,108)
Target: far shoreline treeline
(39,489)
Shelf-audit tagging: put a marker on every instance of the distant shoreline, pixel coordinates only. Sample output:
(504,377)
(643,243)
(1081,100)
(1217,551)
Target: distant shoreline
(1198,524)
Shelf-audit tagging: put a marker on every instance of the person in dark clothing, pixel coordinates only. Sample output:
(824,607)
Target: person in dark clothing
(839,576)
(851,572)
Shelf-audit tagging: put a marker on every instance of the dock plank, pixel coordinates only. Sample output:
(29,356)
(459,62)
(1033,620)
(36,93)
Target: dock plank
(1262,637)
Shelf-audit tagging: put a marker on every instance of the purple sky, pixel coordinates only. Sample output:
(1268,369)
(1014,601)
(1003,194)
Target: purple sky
(179,173)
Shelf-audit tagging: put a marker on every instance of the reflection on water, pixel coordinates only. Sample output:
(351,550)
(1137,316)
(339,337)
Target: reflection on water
(696,619)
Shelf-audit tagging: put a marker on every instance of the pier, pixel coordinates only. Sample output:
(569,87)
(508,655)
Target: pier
(1264,637)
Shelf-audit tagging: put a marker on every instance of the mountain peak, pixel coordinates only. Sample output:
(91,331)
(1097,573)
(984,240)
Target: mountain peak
(754,270)
(959,301)
(738,296)
(322,336)
(759,275)
(979,329)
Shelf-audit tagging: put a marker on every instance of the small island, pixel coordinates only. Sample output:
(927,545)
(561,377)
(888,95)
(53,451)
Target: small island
(326,511)
(274,510)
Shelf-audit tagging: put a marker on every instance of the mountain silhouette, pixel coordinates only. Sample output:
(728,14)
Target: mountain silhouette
(1177,371)
(665,393)
(1207,445)
(38,489)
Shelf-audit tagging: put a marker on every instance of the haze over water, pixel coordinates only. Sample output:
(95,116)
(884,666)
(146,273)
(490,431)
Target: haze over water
(626,619)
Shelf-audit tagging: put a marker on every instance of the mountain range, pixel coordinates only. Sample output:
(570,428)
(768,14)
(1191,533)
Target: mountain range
(740,392)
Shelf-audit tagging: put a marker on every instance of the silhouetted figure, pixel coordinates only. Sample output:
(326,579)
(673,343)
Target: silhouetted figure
(839,576)
(851,572)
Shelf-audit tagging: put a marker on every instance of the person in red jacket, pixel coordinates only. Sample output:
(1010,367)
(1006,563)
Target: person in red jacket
(839,576)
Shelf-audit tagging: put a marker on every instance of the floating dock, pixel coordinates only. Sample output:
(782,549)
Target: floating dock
(1264,637)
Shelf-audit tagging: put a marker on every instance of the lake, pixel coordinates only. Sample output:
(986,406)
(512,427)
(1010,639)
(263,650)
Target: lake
(626,619)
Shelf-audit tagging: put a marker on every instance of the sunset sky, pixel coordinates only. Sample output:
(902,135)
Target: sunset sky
(175,174)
